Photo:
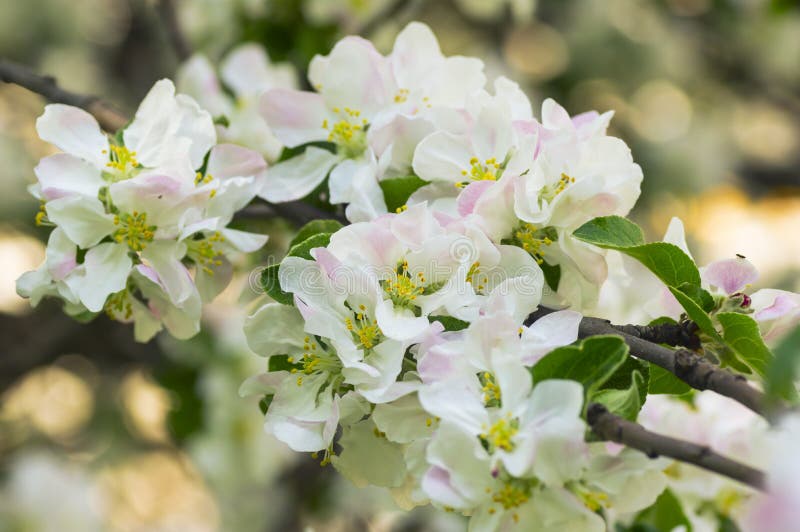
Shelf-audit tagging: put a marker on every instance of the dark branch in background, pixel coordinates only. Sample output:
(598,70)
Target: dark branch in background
(391,11)
(691,368)
(682,334)
(297,212)
(109,117)
(614,428)
(169,19)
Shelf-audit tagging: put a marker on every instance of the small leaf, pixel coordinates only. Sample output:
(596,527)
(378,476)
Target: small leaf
(592,362)
(741,333)
(315,227)
(611,231)
(222,120)
(700,296)
(272,286)
(622,379)
(396,191)
(552,274)
(665,514)
(696,313)
(782,373)
(664,382)
(627,402)
(280,363)
(264,402)
(303,249)
(667,261)
(450,323)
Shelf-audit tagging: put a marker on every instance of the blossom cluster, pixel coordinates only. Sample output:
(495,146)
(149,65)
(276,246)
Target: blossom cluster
(140,220)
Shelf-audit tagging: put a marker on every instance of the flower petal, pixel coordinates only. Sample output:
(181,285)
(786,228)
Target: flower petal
(84,220)
(730,275)
(75,131)
(298,176)
(107,268)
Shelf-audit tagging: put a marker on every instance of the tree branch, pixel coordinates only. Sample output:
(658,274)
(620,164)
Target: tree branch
(611,427)
(675,334)
(297,212)
(169,17)
(690,367)
(109,118)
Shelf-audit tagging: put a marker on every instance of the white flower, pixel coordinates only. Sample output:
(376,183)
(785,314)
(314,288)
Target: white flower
(248,72)
(141,207)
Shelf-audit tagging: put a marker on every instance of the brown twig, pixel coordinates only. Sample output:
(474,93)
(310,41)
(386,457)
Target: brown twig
(611,427)
(169,17)
(691,368)
(297,212)
(109,118)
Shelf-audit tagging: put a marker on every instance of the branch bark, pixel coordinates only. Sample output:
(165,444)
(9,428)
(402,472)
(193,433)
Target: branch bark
(690,367)
(675,334)
(109,117)
(611,427)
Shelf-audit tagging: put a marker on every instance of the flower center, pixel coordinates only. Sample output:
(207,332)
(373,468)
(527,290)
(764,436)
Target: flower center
(133,230)
(348,133)
(118,306)
(365,332)
(499,435)
(121,160)
(511,496)
(205,253)
(476,278)
(532,239)
(491,391)
(314,360)
(404,288)
(401,96)
(488,170)
(551,191)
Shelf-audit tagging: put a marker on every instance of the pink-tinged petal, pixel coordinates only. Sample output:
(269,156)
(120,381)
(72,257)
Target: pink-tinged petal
(436,483)
(197,78)
(416,52)
(354,75)
(782,305)
(554,116)
(470,195)
(247,71)
(326,260)
(60,255)
(107,268)
(730,275)
(230,160)
(165,257)
(295,117)
(148,272)
(297,177)
(63,174)
(74,131)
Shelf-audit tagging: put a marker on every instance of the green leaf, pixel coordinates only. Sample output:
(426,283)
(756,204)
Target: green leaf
(665,514)
(303,249)
(222,120)
(592,362)
(611,231)
(264,402)
(664,382)
(280,363)
(696,313)
(741,333)
(552,275)
(698,295)
(623,379)
(272,287)
(396,191)
(450,323)
(782,373)
(315,227)
(667,261)
(627,402)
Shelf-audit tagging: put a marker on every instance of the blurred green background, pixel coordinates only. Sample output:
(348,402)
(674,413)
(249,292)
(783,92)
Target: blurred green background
(99,433)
